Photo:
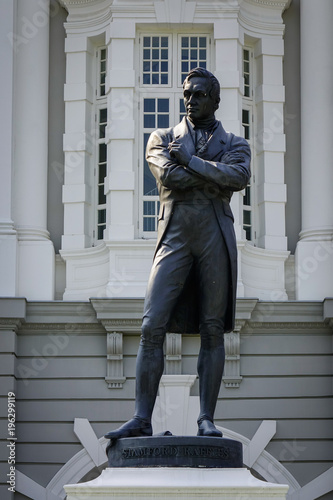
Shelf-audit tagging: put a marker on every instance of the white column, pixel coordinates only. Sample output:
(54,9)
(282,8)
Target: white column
(120,180)
(270,144)
(36,253)
(79,141)
(314,252)
(229,39)
(8,239)
(119,184)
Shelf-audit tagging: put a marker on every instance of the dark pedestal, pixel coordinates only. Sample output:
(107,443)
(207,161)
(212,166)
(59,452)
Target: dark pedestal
(176,451)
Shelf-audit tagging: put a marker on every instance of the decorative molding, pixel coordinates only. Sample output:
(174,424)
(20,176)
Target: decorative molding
(173,353)
(174,11)
(232,377)
(114,361)
(301,325)
(63,327)
(125,325)
(10,324)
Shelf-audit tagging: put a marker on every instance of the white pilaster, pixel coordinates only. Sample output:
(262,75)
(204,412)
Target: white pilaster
(79,140)
(270,144)
(35,252)
(229,39)
(119,185)
(8,238)
(314,252)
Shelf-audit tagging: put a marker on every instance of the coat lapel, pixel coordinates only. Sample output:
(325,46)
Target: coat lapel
(216,144)
(182,134)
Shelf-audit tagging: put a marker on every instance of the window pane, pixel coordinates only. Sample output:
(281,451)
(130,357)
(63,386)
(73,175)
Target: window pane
(164,41)
(101,174)
(155,79)
(163,105)
(185,67)
(149,183)
(155,67)
(163,121)
(155,41)
(149,224)
(146,79)
(101,216)
(202,41)
(149,105)
(149,121)
(102,153)
(194,41)
(164,79)
(149,207)
(182,111)
(101,195)
(247,197)
(164,54)
(103,115)
(155,54)
(247,217)
(100,231)
(146,54)
(248,232)
(146,41)
(184,41)
(146,66)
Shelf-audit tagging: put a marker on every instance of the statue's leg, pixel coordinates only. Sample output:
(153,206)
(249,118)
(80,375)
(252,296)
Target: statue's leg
(171,266)
(210,370)
(213,277)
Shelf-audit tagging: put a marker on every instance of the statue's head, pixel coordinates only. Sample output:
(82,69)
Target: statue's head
(201,94)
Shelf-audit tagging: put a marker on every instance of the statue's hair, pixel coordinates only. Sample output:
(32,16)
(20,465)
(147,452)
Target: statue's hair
(214,91)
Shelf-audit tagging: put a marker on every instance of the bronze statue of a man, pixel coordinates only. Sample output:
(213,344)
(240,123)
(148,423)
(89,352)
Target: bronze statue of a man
(192,286)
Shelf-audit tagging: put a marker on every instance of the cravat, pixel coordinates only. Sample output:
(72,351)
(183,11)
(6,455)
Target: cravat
(201,145)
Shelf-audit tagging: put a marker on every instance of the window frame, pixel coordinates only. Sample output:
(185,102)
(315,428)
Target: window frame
(100,102)
(173,90)
(248,105)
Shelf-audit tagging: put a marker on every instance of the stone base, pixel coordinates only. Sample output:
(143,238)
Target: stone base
(165,483)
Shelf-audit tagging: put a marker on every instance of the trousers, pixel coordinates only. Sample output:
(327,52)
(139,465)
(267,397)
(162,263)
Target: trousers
(193,239)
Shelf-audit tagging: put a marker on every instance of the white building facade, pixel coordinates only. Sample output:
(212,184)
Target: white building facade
(85,83)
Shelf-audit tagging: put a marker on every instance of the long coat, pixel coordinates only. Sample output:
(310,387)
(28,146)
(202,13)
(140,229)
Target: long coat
(223,168)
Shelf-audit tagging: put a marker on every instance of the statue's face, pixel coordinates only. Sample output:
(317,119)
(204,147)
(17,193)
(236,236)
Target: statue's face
(198,103)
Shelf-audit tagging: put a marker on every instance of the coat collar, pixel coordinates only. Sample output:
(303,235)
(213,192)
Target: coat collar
(215,145)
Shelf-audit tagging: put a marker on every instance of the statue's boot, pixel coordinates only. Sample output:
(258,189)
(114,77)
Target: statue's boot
(207,428)
(133,428)
(210,370)
(149,369)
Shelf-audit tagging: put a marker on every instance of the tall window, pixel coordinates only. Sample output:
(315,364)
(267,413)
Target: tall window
(247,122)
(100,170)
(165,60)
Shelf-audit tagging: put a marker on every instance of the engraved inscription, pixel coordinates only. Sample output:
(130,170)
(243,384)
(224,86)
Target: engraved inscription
(222,453)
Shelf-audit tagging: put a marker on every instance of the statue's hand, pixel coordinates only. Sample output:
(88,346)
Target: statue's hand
(179,151)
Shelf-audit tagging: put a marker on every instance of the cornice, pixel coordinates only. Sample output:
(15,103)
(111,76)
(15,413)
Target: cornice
(263,16)
(301,326)
(282,4)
